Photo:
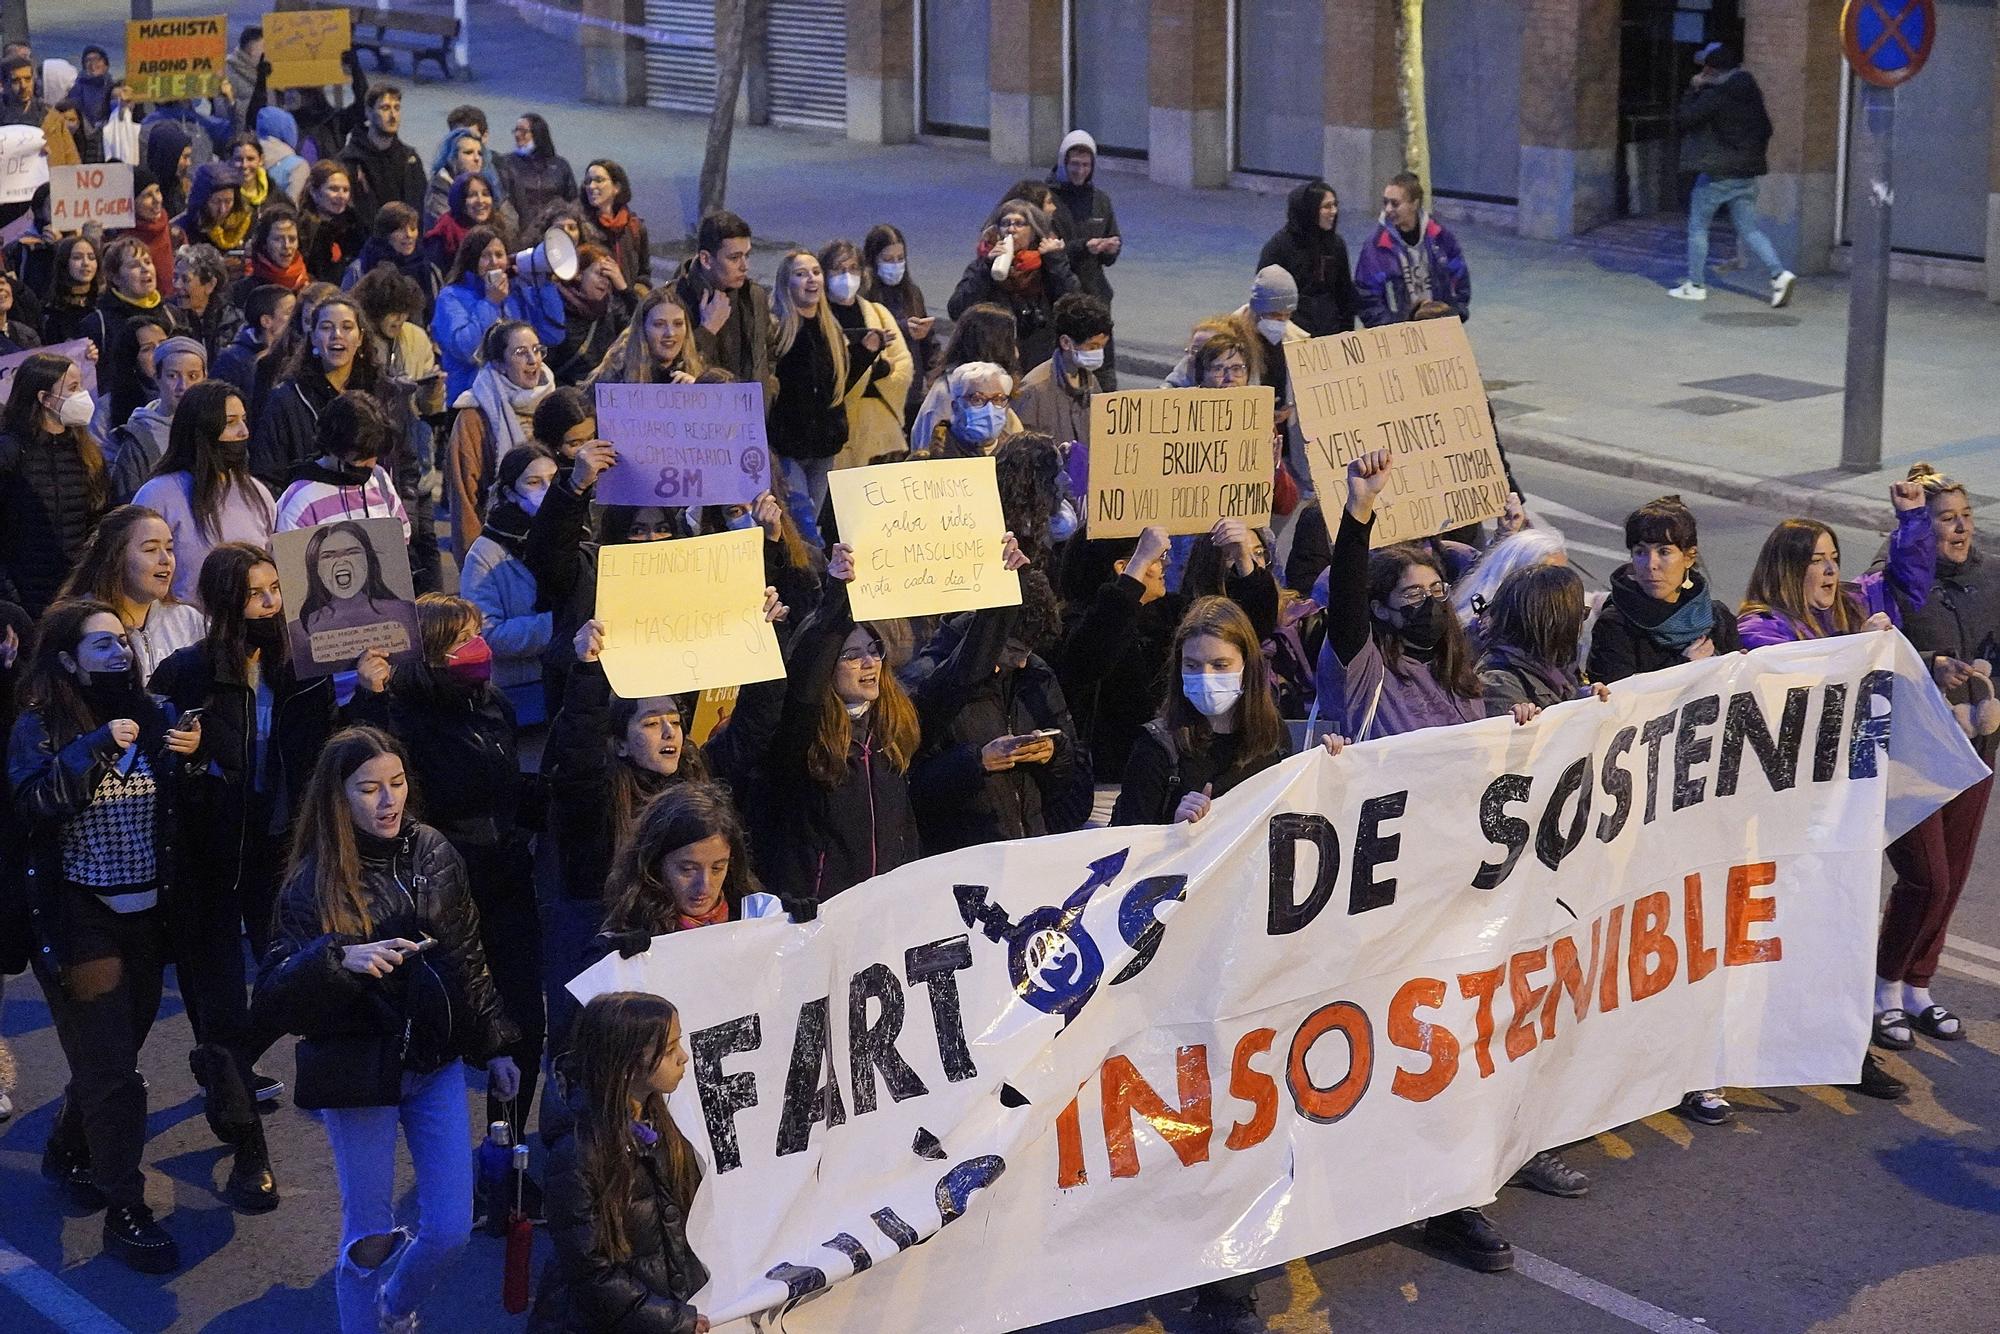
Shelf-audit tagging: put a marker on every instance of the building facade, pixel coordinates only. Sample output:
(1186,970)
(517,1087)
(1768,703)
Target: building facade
(1552,116)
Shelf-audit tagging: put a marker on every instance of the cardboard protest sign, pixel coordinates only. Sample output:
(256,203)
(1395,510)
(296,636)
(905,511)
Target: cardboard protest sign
(1413,389)
(347,589)
(24,166)
(1180,459)
(304,47)
(714,708)
(1360,992)
(76,349)
(686,614)
(99,192)
(927,538)
(683,444)
(169,60)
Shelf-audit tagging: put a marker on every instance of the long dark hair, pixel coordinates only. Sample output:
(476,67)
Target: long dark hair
(59,280)
(470,247)
(632,787)
(538,129)
(1538,613)
(194,446)
(1257,721)
(224,588)
(1452,662)
(880,237)
(986,332)
(99,574)
(51,687)
(1029,468)
(636,896)
(376,589)
(39,375)
(619,1040)
(326,858)
(304,358)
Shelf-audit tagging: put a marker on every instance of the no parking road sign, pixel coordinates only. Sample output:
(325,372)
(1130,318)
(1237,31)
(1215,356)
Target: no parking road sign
(1887,41)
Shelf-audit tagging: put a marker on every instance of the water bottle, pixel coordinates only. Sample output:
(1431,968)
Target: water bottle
(496,1160)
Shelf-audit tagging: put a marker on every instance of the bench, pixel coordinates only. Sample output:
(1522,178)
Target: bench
(425,36)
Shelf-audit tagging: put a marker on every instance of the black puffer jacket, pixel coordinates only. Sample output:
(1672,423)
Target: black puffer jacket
(461,748)
(582,1291)
(1318,263)
(1033,301)
(46,518)
(1620,642)
(1727,128)
(53,771)
(287,430)
(436,1008)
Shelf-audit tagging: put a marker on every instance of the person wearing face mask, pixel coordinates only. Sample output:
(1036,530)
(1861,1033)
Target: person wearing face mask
(1410,264)
(460,739)
(262,726)
(818,368)
(94,763)
(876,405)
(346,480)
(334,358)
(792,565)
(534,175)
(1268,317)
(54,485)
(498,582)
(129,567)
(886,280)
(981,394)
(179,364)
(1054,397)
(983,333)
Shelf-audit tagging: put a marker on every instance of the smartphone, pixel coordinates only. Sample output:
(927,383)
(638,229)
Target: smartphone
(189,718)
(1047,732)
(426,944)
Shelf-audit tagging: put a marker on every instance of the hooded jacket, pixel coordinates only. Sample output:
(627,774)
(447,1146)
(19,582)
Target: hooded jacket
(165,141)
(278,136)
(1084,214)
(1318,262)
(135,448)
(320,494)
(1382,273)
(1725,128)
(382,174)
(497,581)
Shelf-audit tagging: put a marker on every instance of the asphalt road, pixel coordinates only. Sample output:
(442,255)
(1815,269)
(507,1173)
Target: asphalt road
(1817,1211)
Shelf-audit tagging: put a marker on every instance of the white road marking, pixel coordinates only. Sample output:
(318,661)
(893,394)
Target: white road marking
(1588,549)
(1972,947)
(68,1308)
(1967,968)
(1613,1301)
(1541,505)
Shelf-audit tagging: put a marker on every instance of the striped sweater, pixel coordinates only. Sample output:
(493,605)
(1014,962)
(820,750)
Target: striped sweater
(320,494)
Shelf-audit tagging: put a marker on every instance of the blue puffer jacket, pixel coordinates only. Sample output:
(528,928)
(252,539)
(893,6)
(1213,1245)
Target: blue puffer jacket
(464,314)
(1379,273)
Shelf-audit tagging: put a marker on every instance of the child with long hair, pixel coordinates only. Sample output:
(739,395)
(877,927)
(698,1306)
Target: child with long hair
(620,1186)
(376,964)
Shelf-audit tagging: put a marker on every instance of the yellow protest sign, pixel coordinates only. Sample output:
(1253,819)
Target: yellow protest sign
(1179,459)
(685,615)
(1414,390)
(168,60)
(304,47)
(926,538)
(715,707)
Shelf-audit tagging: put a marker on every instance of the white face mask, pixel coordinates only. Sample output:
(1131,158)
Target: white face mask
(859,711)
(1273,330)
(1088,358)
(76,410)
(891,274)
(842,286)
(1212,693)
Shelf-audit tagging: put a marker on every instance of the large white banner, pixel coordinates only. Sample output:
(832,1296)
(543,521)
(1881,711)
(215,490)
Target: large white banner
(1363,991)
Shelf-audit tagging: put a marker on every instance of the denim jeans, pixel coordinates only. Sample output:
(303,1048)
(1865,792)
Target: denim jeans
(1738,194)
(805,488)
(439,1131)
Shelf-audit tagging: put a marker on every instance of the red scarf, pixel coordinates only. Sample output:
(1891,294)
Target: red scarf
(714,916)
(292,277)
(1025,270)
(159,239)
(613,225)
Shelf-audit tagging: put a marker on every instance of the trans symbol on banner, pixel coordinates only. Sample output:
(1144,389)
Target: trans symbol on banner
(1054,963)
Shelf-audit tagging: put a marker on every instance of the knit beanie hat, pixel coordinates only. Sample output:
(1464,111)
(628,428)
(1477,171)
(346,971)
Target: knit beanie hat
(1273,290)
(177,344)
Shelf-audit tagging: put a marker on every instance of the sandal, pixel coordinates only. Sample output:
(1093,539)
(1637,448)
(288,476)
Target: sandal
(1940,1023)
(1892,1029)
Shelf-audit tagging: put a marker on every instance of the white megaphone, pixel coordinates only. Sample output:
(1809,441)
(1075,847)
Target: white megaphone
(555,257)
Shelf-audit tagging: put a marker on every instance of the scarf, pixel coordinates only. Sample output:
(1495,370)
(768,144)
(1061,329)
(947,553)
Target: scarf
(508,408)
(613,225)
(256,188)
(292,277)
(1691,618)
(1561,682)
(446,233)
(573,299)
(151,301)
(714,916)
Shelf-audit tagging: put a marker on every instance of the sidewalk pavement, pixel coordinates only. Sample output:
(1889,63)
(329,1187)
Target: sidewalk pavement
(1589,362)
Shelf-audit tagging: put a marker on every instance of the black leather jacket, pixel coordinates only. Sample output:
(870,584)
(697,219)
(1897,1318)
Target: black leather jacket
(440,1006)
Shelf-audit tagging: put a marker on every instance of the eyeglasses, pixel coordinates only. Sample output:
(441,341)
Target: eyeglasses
(867,653)
(1416,597)
(529,353)
(992,400)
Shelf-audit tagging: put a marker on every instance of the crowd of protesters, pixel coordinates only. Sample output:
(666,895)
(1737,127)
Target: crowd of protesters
(312,322)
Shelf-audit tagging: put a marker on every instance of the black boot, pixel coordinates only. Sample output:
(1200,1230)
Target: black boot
(251,1188)
(1875,1082)
(226,1103)
(131,1235)
(66,1163)
(1466,1236)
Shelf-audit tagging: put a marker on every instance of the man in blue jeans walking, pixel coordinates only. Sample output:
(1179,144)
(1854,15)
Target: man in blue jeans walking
(1727,131)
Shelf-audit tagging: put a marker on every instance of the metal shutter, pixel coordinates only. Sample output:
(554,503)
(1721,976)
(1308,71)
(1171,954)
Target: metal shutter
(806,60)
(676,78)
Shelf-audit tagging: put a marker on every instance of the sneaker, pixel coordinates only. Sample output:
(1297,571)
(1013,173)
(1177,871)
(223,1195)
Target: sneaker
(6,1108)
(1875,1082)
(1467,1236)
(1688,291)
(265,1089)
(131,1235)
(1549,1174)
(392,1324)
(1781,288)
(1708,1107)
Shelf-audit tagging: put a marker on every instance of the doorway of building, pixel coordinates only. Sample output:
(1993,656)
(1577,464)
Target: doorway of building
(1657,42)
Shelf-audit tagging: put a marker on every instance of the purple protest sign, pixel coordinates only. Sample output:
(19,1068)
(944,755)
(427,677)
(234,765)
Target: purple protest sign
(683,444)
(77,350)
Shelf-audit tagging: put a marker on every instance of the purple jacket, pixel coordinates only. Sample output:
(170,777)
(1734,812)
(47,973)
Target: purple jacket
(1379,274)
(1909,572)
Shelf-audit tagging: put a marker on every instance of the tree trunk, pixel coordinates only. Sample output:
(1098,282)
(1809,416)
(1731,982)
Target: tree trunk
(1410,92)
(730,18)
(14,20)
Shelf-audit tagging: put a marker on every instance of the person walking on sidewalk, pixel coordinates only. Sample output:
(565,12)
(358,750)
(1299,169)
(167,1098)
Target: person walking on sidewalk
(1727,131)
(1410,266)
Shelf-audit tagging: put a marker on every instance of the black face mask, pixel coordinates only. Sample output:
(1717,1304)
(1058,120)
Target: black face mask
(1424,624)
(111,695)
(266,635)
(233,454)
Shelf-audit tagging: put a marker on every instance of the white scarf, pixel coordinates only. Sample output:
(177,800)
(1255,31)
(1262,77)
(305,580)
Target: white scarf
(508,408)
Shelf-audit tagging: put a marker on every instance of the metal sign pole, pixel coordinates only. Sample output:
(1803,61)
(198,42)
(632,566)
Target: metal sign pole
(1873,138)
